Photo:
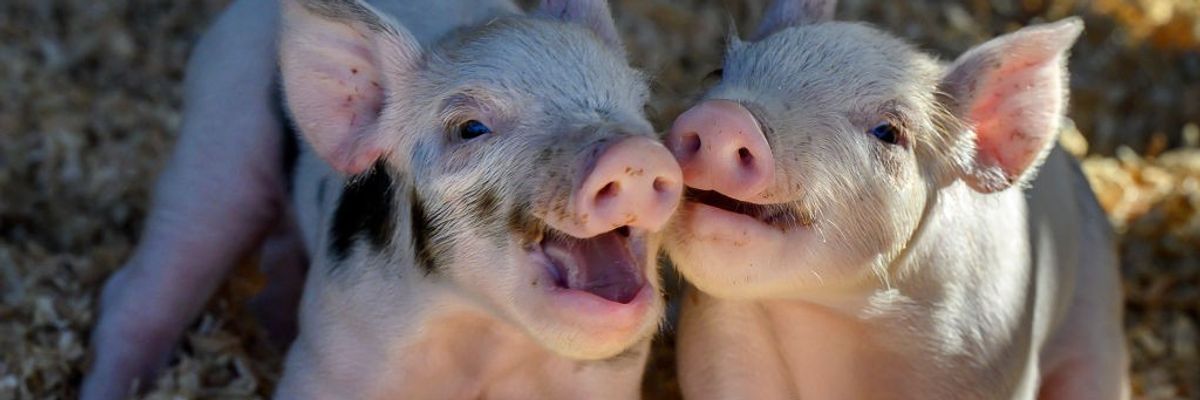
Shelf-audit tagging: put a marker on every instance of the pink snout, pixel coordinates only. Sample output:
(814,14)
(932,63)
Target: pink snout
(720,147)
(634,182)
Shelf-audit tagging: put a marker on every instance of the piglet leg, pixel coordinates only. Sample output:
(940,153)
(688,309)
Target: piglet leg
(221,191)
(284,261)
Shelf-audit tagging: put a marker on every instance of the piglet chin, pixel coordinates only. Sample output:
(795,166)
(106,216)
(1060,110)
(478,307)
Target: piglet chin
(608,265)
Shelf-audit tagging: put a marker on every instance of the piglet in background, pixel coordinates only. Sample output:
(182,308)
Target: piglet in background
(476,189)
(863,221)
(222,196)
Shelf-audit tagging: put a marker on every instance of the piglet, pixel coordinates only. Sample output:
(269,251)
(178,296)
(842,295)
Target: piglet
(479,209)
(222,196)
(863,221)
(476,190)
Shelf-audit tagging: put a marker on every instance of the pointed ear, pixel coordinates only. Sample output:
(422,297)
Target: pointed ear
(1011,91)
(593,14)
(783,14)
(339,59)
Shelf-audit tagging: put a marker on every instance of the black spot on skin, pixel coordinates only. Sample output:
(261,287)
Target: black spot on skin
(364,211)
(422,229)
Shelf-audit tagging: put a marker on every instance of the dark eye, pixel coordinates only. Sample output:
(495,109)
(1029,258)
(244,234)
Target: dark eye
(713,77)
(886,132)
(472,129)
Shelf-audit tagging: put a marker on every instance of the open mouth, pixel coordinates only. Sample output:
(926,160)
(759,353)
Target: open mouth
(610,265)
(784,216)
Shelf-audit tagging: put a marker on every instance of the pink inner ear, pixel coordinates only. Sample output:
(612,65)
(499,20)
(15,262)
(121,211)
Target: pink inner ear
(333,88)
(1012,90)
(1016,111)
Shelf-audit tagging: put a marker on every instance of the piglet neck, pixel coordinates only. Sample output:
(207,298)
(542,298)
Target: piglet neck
(964,238)
(854,298)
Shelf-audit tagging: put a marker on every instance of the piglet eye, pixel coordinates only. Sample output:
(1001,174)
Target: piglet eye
(472,129)
(886,132)
(713,77)
(716,74)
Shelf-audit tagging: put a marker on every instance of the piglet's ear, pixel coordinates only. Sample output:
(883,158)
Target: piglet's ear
(339,59)
(1011,91)
(783,14)
(593,14)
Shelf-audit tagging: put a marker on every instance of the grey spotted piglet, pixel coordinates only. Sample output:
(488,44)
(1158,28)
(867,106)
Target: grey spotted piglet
(477,190)
(479,210)
(863,221)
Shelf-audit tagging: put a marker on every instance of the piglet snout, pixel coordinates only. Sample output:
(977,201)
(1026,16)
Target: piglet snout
(720,147)
(634,182)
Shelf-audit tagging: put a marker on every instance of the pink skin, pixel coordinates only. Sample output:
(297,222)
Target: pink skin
(730,228)
(601,317)
(634,182)
(720,147)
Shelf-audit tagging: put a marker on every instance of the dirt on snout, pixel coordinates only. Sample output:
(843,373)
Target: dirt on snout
(89,110)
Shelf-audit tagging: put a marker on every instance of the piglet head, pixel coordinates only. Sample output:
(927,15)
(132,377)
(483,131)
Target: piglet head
(515,155)
(810,164)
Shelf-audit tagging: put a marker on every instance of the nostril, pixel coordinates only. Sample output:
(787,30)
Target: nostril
(690,142)
(746,158)
(623,231)
(612,189)
(660,185)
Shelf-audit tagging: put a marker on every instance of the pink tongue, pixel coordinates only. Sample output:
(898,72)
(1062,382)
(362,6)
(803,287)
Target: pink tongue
(603,265)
